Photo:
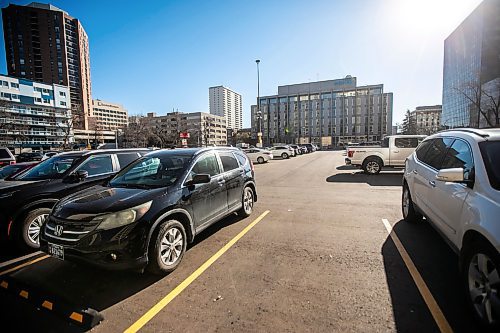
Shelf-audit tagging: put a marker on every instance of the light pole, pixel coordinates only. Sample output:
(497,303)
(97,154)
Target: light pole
(259,113)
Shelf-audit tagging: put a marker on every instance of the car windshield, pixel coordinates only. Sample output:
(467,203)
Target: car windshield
(490,151)
(52,168)
(152,172)
(9,170)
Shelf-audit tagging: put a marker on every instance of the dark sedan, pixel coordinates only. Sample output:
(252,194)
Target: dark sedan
(148,213)
(9,171)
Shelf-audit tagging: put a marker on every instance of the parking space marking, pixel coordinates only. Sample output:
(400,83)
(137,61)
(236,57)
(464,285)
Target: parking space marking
(429,300)
(13,261)
(24,265)
(184,284)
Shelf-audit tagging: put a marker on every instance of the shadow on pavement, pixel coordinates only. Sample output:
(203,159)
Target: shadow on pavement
(382,179)
(84,286)
(347,167)
(438,266)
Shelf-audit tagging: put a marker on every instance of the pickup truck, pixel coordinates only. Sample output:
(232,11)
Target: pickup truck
(392,153)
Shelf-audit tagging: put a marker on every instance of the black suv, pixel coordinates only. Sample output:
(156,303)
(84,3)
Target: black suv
(26,200)
(148,213)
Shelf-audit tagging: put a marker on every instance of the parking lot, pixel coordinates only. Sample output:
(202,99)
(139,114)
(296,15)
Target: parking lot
(318,259)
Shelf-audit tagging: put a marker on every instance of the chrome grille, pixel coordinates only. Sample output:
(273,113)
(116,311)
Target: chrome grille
(72,230)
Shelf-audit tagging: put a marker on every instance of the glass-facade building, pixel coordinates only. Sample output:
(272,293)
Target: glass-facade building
(471,64)
(327,113)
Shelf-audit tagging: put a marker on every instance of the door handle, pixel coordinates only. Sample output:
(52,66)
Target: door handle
(221,182)
(432,183)
(395,151)
(415,172)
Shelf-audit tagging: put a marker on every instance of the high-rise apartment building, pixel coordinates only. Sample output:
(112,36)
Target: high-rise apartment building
(45,44)
(34,115)
(471,71)
(328,113)
(226,103)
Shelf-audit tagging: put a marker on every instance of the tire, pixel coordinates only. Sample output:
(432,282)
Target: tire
(410,214)
(260,160)
(166,249)
(247,201)
(284,156)
(478,285)
(30,228)
(372,165)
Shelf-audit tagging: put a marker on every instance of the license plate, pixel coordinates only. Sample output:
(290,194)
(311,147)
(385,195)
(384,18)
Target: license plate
(57,251)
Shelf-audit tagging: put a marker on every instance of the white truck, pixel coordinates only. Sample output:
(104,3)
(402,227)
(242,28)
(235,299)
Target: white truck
(391,153)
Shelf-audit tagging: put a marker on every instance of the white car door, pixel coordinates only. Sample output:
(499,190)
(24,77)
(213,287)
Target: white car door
(446,198)
(401,149)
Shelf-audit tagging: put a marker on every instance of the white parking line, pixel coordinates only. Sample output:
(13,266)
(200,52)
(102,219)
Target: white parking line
(13,261)
(429,300)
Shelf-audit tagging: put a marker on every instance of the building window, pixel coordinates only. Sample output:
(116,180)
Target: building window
(62,103)
(62,93)
(38,99)
(14,85)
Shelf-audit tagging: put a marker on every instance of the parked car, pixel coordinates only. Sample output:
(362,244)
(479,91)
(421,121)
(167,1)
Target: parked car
(309,146)
(6,157)
(283,151)
(29,157)
(145,216)
(49,154)
(26,200)
(298,150)
(392,153)
(453,179)
(14,169)
(257,155)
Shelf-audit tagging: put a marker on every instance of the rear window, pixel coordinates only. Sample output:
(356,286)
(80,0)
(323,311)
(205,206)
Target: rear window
(491,156)
(228,161)
(406,142)
(4,153)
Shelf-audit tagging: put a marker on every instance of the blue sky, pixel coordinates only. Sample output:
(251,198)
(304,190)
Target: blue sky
(156,56)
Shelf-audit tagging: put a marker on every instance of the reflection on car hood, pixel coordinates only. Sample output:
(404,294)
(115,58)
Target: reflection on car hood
(8,184)
(100,199)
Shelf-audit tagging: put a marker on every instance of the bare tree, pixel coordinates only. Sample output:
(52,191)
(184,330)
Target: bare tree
(484,100)
(65,125)
(137,133)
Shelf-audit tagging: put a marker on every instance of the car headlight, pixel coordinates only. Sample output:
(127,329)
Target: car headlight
(121,218)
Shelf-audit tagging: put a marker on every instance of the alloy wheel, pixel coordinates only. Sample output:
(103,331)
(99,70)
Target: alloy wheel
(171,246)
(406,202)
(248,201)
(372,167)
(34,228)
(484,282)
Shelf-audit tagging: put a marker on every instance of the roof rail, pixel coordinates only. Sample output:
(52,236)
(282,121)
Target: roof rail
(475,131)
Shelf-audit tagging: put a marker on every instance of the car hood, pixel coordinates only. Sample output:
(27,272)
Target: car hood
(97,200)
(8,185)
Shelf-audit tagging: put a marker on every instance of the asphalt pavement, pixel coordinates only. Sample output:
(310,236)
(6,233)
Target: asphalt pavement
(321,260)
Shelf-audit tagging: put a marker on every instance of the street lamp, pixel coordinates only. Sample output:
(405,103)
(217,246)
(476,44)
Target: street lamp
(259,113)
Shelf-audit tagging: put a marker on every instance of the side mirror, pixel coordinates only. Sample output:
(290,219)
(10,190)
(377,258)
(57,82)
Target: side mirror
(199,179)
(455,175)
(81,174)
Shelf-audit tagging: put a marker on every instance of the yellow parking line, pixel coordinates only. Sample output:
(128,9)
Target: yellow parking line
(184,284)
(429,300)
(23,265)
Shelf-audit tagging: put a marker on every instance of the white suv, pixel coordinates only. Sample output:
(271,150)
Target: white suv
(453,179)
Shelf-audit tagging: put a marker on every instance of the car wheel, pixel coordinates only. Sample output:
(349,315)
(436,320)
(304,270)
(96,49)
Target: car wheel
(167,247)
(284,156)
(372,165)
(481,281)
(31,227)
(410,214)
(247,202)
(260,160)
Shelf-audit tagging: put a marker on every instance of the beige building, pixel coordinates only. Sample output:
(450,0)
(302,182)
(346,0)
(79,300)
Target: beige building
(427,119)
(227,103)
(109,116)
(198,129)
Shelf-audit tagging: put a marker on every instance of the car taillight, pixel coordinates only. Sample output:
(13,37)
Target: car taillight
(350,153)
(12,162)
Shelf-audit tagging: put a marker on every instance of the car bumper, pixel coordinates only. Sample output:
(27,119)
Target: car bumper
(105,249)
